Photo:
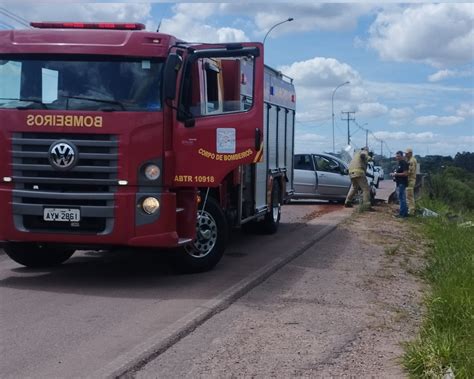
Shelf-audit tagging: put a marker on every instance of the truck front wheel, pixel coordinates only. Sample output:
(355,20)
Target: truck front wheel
(34,255)
(210,242)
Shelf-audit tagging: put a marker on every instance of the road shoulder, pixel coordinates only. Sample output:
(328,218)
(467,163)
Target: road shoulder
(341,308)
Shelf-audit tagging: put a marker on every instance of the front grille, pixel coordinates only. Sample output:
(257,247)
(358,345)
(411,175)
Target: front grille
(89,186)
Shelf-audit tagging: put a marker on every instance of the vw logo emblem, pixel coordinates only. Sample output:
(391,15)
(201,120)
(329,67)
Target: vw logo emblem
(63,155)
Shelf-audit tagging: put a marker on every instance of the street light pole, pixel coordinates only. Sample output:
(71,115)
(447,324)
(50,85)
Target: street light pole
(274,26)
(332,102)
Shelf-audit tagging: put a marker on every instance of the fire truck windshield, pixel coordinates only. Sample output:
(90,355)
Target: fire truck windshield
(93,83)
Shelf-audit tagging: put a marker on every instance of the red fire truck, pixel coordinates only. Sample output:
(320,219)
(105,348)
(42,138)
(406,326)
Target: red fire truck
(113,136)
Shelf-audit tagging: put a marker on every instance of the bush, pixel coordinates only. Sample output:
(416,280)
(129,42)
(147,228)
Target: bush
(455,187)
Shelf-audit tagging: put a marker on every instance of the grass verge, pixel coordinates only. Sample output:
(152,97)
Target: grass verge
(446,339)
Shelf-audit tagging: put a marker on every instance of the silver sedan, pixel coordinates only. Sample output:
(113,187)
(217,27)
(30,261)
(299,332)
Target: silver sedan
(323,176)
(320,176)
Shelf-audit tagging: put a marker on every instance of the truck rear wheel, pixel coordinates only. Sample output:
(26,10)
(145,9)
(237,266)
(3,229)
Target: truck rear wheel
(210,242)
(34,255)
(272,218)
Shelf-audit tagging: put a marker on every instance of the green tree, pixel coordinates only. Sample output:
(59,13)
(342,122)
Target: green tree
(465,160)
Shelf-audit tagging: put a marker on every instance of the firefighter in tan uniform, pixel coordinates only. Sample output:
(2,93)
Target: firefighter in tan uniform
(357,169)
(410,190)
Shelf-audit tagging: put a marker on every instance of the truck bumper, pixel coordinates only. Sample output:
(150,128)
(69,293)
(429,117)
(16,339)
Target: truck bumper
(128,225)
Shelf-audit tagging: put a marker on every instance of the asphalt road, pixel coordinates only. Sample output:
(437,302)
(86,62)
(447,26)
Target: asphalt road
(85,317)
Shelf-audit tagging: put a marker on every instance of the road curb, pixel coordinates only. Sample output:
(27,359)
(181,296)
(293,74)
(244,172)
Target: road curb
(126,364)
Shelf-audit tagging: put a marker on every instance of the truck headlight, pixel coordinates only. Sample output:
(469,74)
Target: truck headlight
(152,172)
(150,205)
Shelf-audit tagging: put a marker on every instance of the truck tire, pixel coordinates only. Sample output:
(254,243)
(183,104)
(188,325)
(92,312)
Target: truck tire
(34,255)
(211,239)
(272,219)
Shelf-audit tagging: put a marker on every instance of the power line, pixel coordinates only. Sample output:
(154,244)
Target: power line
(15,15)
(4,25)
(18,19)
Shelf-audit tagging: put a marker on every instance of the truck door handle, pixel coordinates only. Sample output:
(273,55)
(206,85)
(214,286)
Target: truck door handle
(258,139)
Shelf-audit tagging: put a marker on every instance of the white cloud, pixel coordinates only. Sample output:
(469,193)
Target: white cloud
(321,72)
(307,16)
(309,142)
(196,11)
(189,23)
(426,143)
(371,110)
(87,12)
(400,116)
(441,75)
(438,120)
(437,34)
(423,106)
(315,81)
(401,113)
(465,110)
(231,35)
(426,137)
(310,137)
(446,74)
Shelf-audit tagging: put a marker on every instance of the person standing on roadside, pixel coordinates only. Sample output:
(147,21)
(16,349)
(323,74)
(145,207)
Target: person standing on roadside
(401,178)
(357,169)
(412,168)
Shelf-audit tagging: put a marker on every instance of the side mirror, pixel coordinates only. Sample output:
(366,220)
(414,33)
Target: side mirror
(172,66)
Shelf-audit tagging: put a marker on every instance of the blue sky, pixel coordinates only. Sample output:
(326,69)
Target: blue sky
(410,66)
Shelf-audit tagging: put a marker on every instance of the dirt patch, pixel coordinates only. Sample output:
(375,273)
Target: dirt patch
(322,210)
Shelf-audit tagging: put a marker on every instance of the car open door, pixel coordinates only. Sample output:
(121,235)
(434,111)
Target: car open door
(333,181)
(305,179)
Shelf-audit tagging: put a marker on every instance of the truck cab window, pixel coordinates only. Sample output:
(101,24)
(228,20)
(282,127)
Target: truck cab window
(213,101)
(10,79)
(49,85)
(217,86)
(83,82)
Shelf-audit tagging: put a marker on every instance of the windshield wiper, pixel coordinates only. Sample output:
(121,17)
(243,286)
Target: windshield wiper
(114,102)
(25,100)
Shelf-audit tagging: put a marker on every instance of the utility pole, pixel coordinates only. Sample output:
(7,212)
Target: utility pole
(348,118)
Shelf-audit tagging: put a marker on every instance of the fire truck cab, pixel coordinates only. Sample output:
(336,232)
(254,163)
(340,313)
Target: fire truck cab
(114,136)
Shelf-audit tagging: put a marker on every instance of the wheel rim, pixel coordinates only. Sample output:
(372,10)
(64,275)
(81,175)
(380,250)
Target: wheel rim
(206,236)
(276,212)
(276,206)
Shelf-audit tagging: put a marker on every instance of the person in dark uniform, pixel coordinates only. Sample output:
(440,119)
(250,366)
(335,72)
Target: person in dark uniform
(401,178)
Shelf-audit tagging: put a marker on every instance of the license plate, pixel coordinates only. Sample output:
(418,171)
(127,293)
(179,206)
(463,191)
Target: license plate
(62,214)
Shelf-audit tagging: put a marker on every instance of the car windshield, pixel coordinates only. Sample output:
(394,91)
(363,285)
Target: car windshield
(98,83)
